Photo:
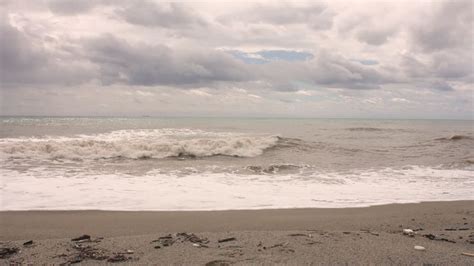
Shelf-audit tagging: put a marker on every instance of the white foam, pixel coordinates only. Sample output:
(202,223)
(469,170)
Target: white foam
(136,144)
(47,189)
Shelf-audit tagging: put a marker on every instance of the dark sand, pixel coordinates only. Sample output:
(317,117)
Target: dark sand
(289,236)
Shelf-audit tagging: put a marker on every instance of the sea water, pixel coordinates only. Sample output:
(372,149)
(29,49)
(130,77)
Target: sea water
(75,163)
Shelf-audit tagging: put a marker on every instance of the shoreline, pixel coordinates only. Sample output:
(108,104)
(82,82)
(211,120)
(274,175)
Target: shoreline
(232,210)
(289,236)
(40,223)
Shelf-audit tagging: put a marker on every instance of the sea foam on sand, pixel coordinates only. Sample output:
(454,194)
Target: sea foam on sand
(48,190)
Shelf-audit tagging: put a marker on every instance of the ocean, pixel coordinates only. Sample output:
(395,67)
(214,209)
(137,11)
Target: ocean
(103,163)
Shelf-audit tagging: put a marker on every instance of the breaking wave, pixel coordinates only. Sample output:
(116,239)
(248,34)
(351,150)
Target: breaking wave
(456,138)
(139,144)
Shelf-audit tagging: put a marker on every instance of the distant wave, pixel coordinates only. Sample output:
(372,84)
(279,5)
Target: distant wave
(364,129)
(456,138)
(288,142)
(139,144)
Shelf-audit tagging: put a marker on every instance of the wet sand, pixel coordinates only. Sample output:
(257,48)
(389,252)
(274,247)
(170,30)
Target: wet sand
(288,236)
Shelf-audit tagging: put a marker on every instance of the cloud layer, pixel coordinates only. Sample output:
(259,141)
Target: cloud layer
(287,58)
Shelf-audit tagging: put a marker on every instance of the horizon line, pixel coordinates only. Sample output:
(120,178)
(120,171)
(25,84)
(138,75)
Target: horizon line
(238,117)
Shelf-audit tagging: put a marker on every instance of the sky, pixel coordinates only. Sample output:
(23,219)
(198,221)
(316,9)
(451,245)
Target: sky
(334,59)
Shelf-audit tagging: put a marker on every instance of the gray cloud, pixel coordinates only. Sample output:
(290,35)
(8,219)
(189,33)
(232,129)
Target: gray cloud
(326,69)
(368,29)
(449,26)
(453,65)
(17,52)
(168,15)
(316,16)
(374,37)
(441,85)
(142,64)
(25,60)
(66,7)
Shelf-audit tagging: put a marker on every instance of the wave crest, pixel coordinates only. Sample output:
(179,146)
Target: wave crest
(139,144)
(456,138)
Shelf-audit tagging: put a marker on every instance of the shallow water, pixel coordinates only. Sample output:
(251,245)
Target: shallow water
(231,163)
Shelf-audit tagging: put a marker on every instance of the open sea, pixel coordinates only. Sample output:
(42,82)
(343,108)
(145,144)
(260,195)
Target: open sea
(76,163)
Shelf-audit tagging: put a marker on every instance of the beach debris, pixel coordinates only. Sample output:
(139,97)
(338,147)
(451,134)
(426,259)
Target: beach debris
(199,245)
(284,244)
(168,236)
(7,252)
(28,243)
(409,232)
(226,240)
(300,234)
(118,258)
(433,237)
(369,232)
(165,241)
(283,247)
(218,263)
(289,250)
(185,237)
(468,254)
(457,229)
(75,260)
(421,248)
(88,252)
(346,233)
(234,246)
(169,240)
(311,242)
(82,238)
(237,252)
(430,236)
(97,240)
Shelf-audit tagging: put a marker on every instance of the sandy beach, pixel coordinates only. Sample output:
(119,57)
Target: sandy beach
(287,236)
(294,132)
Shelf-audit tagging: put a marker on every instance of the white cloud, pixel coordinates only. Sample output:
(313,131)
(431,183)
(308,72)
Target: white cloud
(199,92)
(304,92)
(400,100)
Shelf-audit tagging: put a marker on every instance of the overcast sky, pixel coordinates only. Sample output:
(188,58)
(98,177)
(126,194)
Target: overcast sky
(371,59)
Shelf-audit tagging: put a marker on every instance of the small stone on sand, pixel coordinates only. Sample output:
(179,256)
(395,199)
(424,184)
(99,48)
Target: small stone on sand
(420,248)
